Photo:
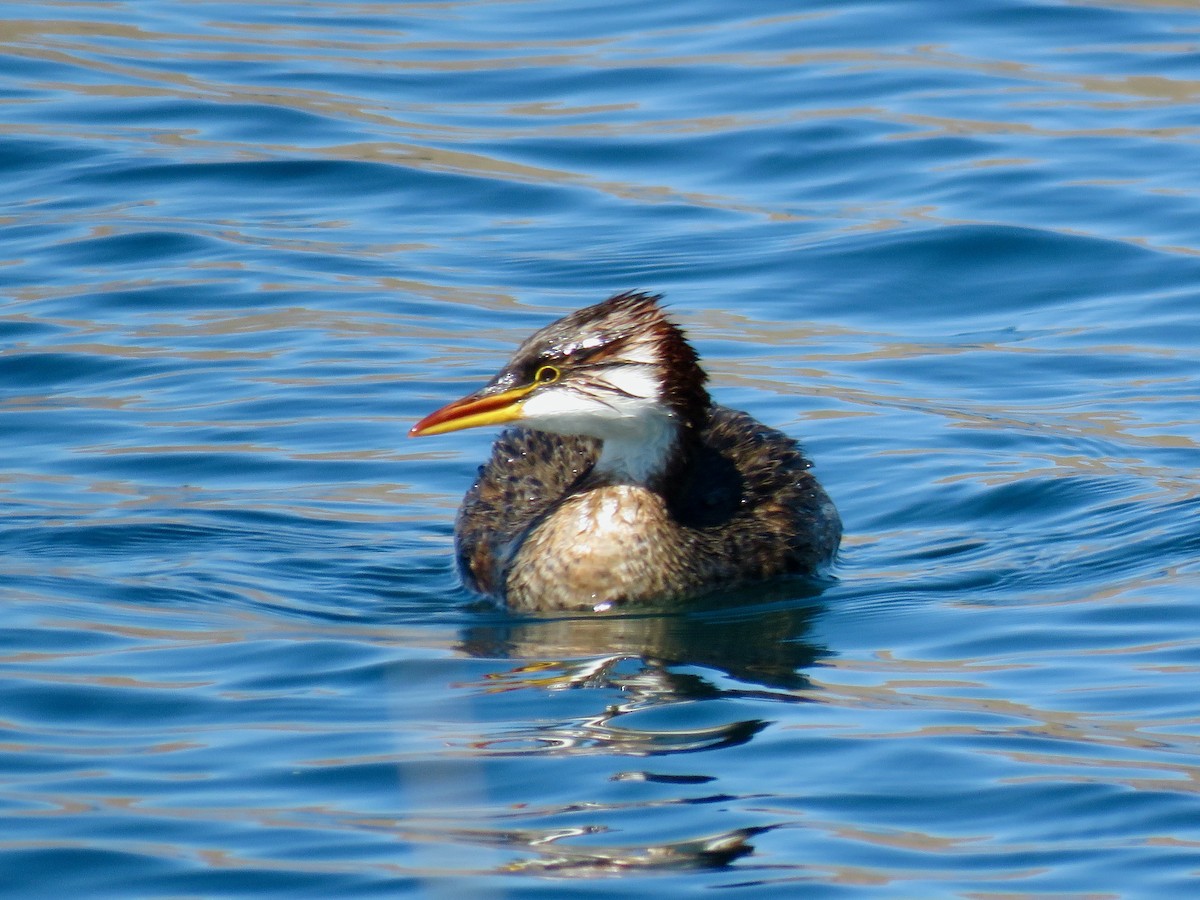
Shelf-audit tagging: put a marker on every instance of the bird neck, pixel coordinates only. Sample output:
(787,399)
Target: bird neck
(652,447)
(653,455)
(642,454)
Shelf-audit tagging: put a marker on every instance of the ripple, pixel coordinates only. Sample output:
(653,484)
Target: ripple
(952,249)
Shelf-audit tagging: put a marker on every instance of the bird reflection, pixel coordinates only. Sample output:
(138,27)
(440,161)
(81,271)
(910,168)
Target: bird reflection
(750,646)
(759,646)
(715,851)
(653,661)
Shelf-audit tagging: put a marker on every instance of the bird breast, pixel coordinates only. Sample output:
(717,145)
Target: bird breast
(599,548)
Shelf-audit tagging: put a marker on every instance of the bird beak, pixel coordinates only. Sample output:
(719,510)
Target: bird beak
(483,407)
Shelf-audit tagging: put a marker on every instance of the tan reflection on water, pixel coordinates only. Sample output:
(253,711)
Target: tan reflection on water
(142,63)
(945,685)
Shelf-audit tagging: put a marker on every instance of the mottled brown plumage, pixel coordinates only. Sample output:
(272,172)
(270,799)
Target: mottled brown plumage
(571,522)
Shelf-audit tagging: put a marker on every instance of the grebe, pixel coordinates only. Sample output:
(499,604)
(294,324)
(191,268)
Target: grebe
(625,483)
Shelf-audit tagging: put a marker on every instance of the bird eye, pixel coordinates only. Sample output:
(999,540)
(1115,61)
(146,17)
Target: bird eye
(546,375)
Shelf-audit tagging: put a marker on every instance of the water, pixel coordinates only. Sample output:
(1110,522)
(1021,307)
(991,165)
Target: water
(954,247)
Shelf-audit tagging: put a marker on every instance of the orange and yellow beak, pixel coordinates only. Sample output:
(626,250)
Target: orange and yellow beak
(473,411)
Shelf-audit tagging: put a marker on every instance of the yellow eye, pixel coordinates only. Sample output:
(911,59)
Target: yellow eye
(546,375)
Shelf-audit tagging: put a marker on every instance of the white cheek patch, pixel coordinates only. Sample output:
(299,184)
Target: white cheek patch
(638,433)
(550,406)
(634,381)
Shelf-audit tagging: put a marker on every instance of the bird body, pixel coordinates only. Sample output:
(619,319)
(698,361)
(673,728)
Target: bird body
(625,484)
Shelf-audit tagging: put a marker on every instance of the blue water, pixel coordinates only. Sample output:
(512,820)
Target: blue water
(953,247)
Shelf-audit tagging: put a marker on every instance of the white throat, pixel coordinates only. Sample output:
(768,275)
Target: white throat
(640,453)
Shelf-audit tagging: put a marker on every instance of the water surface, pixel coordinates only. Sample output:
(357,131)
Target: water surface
(952,247)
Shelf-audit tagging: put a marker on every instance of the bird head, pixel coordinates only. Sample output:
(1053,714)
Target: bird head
(619,371)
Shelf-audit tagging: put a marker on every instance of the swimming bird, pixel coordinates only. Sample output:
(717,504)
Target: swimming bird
(623,483)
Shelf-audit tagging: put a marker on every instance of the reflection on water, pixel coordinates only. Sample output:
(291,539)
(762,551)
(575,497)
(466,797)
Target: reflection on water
(650,662)
(642,691)
(763,646)
(714,851)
